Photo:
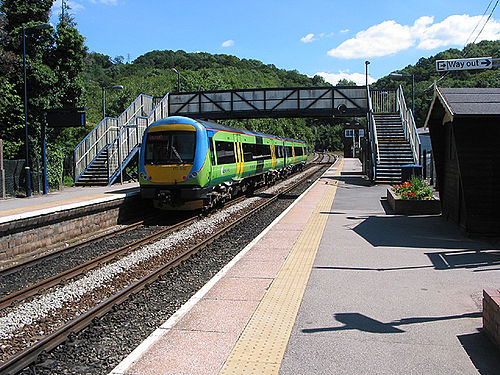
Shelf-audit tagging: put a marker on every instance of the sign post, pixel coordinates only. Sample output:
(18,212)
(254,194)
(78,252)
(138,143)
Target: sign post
(60,118)
(464,64)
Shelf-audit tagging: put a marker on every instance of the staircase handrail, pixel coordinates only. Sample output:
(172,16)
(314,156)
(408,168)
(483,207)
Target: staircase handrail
(104,132)
(375,154)
(130,137)
(409,126)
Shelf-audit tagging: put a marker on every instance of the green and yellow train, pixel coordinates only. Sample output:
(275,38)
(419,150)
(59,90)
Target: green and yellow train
(188,164)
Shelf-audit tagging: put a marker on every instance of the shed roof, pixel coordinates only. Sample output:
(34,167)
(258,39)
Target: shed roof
(470,101)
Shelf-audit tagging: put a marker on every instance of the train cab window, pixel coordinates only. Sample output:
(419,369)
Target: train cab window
(170,147)
(225,152)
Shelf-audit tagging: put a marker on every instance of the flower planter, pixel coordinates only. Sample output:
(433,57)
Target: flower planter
(413,206)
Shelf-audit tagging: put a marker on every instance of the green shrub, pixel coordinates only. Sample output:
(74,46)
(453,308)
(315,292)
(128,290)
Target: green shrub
(417,188)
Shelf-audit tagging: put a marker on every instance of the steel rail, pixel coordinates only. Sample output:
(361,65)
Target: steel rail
(15,267)
(72,272)
(30,355)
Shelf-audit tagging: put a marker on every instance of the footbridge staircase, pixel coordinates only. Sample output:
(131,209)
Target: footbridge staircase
(102,156)
(393,136)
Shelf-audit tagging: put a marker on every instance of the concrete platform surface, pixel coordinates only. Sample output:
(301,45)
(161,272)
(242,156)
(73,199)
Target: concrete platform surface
(392,294)
(68,196)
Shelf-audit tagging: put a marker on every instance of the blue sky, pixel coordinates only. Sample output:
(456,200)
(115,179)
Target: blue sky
(326,37)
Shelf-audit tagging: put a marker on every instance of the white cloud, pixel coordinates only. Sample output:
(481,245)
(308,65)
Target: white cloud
(228,43)
(308,38)
(334,78)
(344,31)
(383,39)
(390,37)
(313,37)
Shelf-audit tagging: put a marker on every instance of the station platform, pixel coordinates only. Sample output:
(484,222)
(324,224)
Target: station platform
(337,285)
(67,198)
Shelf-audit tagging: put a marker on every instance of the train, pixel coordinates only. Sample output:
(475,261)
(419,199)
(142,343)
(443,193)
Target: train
(188,164)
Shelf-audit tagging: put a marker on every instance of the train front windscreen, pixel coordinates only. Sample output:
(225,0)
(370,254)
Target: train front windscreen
(170,147)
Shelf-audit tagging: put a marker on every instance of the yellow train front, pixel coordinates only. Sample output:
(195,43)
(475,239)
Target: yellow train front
(188,164)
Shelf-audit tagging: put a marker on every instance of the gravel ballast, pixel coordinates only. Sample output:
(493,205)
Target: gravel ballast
(100,347)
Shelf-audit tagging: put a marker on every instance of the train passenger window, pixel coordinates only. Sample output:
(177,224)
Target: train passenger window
(262,152)
(299,151)
(248,151)
(170,147)
(225,152)
(288,151)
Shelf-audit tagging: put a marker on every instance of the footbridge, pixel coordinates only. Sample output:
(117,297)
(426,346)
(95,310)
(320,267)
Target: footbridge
(102,156)
(349,101)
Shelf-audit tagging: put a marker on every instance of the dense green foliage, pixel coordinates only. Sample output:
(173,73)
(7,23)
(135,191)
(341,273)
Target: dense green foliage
(425,75)
(54,62)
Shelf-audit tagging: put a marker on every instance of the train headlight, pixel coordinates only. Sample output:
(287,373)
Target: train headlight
(194,175)
(143,175)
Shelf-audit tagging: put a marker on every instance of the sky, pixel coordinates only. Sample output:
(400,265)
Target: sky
(329,38)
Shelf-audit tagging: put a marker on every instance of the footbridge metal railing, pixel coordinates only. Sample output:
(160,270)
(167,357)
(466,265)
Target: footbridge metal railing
(119,136)
(128,142)
(373,139)
(409,126)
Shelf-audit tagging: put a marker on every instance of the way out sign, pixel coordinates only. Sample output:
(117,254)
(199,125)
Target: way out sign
(464,64)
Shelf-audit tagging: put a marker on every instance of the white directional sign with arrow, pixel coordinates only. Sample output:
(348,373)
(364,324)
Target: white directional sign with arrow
(464,64)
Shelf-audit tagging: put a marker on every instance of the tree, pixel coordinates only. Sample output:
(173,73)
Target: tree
(345,82)
(54,62)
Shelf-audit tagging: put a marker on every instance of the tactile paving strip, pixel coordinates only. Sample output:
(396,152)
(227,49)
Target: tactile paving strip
(262,344)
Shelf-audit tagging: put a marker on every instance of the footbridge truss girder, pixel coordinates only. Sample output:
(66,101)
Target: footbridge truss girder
(345,101)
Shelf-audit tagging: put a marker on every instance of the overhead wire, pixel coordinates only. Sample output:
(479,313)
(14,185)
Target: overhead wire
(472,32)
(489,17)
(478,22)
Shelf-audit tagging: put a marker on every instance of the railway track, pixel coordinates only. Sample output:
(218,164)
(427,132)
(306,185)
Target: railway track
(47,343)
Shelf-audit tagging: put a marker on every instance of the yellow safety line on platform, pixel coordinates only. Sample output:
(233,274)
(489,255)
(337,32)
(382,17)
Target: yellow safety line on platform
(262,344)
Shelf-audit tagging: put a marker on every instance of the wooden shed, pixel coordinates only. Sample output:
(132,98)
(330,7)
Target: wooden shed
(464,125)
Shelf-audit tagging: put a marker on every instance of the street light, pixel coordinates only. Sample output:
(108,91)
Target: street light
(28,173)
(178,79)
(366,71)
(104,98)
(393,74)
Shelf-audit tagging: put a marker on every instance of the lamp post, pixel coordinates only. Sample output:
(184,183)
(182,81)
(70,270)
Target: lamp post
(366,71)
(178,79)
(104,98)
(393,74)
(28,172)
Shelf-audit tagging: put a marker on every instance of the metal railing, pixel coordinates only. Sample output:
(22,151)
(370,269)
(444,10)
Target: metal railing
(409,126)
(129,140)
(106,132)
(372,133)
(383,101)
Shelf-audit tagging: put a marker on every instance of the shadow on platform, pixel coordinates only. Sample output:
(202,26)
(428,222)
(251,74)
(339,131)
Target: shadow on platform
(482,353)
(479,348)
(360,322)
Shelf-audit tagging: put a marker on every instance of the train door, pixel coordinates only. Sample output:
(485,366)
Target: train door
(213,161)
